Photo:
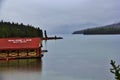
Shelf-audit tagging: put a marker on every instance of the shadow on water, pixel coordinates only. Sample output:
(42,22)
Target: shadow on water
(45,44)
(20,66)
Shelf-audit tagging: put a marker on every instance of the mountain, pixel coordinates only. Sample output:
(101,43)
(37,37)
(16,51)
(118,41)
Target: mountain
(69,28)
(107,29)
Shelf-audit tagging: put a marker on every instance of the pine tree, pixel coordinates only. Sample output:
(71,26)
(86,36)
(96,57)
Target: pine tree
(45,32)
(115,70)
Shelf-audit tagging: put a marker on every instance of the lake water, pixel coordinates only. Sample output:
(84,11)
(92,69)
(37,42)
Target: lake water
(76,57)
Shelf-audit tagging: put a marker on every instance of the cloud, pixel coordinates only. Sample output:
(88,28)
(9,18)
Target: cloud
(0,3)
(52,14)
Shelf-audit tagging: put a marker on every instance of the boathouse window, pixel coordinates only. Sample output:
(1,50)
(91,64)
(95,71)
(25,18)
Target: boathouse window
(32,50)
(3,51)
(13,51)
(23,51)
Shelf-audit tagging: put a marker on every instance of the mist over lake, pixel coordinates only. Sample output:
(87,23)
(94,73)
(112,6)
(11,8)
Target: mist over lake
(61,16)
(76,57)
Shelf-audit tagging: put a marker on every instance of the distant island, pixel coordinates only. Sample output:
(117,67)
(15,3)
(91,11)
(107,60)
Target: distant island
(108,29)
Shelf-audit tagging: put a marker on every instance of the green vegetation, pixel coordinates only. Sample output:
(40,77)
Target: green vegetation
(115,70)
(103,30)
(108,29)
(8,29)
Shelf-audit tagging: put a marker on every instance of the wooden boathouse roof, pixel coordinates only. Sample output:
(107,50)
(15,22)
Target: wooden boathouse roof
(19,43)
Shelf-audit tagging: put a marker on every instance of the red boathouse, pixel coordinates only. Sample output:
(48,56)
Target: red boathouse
(20,48)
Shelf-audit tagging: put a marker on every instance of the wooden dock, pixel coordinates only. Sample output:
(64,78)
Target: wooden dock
(52,38)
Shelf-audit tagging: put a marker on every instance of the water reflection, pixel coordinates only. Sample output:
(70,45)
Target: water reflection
(21,69)
(21,65)
(45,44)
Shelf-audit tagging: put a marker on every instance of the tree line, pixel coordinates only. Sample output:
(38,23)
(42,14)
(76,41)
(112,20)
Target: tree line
(103,30)
(8,29)
(115,70)
(108,29)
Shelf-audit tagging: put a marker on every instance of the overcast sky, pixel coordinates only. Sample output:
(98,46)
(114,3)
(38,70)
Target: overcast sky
(61,15)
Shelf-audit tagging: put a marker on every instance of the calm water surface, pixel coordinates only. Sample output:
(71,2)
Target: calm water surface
(76,57)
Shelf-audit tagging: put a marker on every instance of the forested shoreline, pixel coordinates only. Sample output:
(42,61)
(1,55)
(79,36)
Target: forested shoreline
(108,29)
(8,29)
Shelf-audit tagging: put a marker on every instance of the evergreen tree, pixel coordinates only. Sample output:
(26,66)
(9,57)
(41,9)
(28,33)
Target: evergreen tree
(115,70)
(8,29)
(45,32)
